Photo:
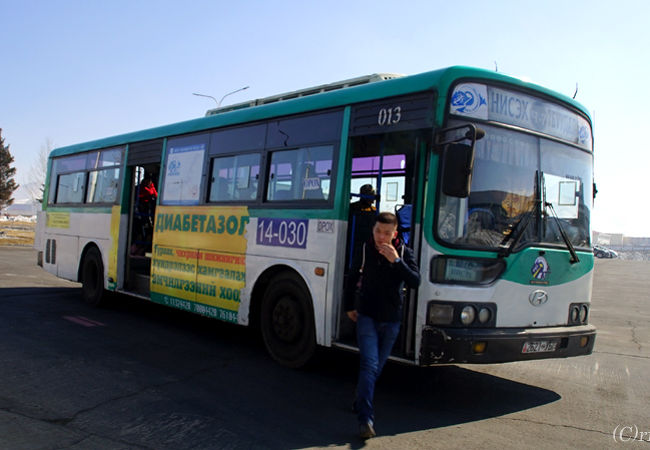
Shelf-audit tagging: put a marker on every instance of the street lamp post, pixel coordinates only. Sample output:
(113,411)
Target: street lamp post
(219,102)
(230,93)
(208,96)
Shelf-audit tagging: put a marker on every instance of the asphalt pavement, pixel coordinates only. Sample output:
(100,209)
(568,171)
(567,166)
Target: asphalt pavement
(138,375)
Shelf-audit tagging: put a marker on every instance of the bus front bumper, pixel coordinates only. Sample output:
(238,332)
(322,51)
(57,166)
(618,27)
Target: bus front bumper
(483,346)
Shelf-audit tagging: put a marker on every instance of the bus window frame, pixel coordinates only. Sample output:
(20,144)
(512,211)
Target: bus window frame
(210,174)
(301,203)
(236,147)
(333,140)
(58,190)
(265,151)
(91,165)
(98,172)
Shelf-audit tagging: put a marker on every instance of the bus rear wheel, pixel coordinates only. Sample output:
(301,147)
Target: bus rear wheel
(287,321)
(92,278)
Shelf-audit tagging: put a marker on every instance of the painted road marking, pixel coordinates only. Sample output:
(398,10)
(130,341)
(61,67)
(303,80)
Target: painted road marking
(84,321)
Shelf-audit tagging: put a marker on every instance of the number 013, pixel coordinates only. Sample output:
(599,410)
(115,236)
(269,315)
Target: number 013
(389,116)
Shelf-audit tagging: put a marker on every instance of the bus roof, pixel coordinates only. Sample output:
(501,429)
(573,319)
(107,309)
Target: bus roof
(351,82)
(441,79)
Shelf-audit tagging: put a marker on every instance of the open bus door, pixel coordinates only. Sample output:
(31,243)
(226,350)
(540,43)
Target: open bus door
(390,163)
(143,173)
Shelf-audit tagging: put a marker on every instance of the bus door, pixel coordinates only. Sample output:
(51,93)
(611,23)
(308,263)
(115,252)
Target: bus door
(389,164)
(143,163)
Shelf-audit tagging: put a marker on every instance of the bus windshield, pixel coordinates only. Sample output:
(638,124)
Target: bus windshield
(515,175)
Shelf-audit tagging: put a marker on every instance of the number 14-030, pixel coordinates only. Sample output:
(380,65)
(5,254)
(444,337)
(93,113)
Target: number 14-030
(282,232)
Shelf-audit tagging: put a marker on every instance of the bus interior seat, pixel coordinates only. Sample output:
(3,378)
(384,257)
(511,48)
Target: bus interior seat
(313,194)
(403,213)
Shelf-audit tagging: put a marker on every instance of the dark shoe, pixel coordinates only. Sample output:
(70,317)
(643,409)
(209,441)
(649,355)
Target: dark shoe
(366,431)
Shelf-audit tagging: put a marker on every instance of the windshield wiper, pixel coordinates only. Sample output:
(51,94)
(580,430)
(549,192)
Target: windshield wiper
(516,232)
(574,256)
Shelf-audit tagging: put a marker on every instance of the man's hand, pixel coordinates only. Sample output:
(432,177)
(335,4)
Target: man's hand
(353,315)
(388,252)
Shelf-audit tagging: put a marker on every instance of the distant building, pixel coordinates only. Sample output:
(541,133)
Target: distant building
(636,241)
(619,240)
(22,208)
(23,205)
(615,239)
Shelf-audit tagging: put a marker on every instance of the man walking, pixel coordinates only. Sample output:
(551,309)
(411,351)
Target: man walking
(379,276)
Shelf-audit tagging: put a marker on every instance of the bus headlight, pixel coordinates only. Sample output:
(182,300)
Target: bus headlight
(484,315)
(583,314)
(578,313)
(467,315)
(440,314)
(446,313)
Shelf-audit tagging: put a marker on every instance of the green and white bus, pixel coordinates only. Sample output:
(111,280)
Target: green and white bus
(490,176)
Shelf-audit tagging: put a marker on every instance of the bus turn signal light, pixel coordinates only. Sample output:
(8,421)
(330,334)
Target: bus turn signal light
(479,347)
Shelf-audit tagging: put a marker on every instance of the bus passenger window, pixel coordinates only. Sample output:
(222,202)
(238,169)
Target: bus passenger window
(71,188)
(300,174)
(234,178)
(103,186)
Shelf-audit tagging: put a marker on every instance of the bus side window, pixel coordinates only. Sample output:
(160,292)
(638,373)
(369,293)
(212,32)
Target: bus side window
(71,188)
(234,178)
(300,174)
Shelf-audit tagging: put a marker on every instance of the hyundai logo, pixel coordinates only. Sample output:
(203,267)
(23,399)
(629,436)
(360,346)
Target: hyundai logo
(538,298)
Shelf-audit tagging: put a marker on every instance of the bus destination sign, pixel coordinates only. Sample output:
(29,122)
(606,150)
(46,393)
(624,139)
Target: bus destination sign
(486,102)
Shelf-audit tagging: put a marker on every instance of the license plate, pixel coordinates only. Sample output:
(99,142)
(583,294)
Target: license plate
(539,346)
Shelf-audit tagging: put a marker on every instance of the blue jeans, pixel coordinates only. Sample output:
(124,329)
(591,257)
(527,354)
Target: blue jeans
(375,340)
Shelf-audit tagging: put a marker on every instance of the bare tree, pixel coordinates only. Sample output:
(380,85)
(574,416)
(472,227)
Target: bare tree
(38,172)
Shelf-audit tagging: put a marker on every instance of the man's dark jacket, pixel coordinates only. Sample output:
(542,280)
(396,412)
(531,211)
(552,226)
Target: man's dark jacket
(381,283)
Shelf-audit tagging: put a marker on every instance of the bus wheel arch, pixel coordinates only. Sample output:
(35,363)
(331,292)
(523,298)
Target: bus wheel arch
(284,312)
(91,276)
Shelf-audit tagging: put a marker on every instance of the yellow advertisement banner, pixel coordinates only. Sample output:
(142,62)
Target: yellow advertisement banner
(199,255)
(115,233)
(174,272)
(221,277)
(210,228)
(58,220)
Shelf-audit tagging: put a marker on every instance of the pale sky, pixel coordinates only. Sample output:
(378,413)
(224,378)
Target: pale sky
(74,71)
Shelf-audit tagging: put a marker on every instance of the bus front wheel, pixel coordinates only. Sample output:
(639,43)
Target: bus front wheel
(287,321)
(92,278)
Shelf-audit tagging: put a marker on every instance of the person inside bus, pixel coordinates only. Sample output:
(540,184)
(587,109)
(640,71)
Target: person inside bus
(361,218)
(366,200)
(378,277)
(147,196)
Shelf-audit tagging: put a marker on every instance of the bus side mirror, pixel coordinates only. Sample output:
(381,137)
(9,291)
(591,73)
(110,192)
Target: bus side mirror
(457,167)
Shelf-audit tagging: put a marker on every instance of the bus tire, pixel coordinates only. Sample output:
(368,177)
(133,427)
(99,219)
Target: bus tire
(287,321)
(92,278)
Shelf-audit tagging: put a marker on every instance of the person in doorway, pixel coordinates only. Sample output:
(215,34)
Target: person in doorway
(146,209)
(379,278)
(147,194)
(361,218)
(366,200)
